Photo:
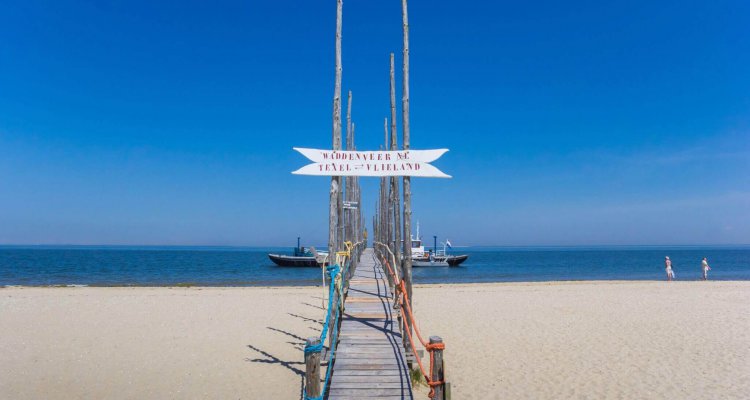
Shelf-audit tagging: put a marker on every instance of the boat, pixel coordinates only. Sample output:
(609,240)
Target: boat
(301,257)
(436,258)
(439,260)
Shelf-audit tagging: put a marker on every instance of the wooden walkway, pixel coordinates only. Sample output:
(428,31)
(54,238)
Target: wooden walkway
(370,361)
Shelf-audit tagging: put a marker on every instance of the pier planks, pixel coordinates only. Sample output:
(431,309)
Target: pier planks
(370,360)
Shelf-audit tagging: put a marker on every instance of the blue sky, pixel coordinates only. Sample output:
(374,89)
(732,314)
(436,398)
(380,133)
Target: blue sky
(575,123)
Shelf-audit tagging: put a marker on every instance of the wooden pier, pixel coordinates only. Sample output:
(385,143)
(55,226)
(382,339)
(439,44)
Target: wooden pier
(367,354)
(370,361)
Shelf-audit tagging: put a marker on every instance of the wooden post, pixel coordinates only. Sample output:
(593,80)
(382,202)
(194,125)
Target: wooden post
(396,211)
(334,216)
(312,369)
(349,180)
(340,213)
(358,199)
(406,179)
(384,188)
(332,220)
(334,325)
(339,198)
(437,373)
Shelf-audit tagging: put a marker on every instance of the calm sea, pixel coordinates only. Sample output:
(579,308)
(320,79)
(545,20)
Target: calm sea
(217,266)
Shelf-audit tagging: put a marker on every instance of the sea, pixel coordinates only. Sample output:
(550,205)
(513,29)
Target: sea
(250,266)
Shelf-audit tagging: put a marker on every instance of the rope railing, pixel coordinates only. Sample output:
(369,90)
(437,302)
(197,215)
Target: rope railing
(403,301)
(393,258)
(334,272)
(314,346)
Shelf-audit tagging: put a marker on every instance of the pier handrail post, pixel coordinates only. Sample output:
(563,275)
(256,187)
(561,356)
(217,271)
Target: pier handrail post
(312,368)
(334,307)
(437,368)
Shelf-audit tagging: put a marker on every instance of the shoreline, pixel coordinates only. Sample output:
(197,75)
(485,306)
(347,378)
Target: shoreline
(423,285)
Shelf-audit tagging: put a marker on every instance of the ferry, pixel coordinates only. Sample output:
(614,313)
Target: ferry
(438,258)
(301,257)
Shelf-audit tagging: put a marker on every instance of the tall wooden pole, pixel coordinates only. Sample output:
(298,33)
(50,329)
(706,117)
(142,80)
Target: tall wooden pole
(407,179)
(396,197)
(387,228)
(340,214)
(358,196)
(384,192)
(333,221)
(349,180)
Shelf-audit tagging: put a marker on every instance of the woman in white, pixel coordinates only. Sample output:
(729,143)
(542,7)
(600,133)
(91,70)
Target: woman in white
(705,268)
(668,267)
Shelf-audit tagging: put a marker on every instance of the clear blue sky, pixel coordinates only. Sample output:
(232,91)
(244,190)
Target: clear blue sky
(569,123)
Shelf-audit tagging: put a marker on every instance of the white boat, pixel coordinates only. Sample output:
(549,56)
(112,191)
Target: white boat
(438,258)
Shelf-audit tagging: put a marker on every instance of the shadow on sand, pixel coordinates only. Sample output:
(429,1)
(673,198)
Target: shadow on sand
(290,365)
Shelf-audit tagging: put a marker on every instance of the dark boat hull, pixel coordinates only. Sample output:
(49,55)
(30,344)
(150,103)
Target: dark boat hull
(440,261)
(291,261)
(454,261)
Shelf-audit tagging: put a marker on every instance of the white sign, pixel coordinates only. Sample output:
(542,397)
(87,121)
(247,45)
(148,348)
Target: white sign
(371,163)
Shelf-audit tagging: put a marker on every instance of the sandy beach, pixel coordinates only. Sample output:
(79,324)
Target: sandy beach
(593,340)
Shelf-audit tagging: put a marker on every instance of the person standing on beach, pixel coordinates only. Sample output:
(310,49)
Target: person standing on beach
(668,268)
(705,268)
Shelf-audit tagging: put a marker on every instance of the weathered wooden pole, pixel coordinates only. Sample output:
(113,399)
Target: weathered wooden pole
(437,372)
(357,196)
(312,369)
(335,304)
(396,197)
(334,217)
(386,195)
(349,180)
(406,179)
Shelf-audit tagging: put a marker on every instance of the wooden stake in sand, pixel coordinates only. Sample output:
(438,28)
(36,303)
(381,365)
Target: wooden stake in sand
(407,179)
(333,220)
(312,369)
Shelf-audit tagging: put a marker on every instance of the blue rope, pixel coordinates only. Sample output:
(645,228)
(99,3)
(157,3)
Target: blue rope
(332,270)
(330,361)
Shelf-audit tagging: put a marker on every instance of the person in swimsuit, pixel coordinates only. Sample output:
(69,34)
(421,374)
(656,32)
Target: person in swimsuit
(668,268)
(705,268)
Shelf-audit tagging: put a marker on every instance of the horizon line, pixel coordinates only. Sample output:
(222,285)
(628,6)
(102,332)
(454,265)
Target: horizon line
(455,247)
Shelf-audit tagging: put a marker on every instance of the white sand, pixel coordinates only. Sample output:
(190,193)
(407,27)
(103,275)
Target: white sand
(627,340)
(155,343)
(599,340)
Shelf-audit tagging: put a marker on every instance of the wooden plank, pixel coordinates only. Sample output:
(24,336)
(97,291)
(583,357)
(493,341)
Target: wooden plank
(369,351)
(374,363)
(357,299)
(349,397)
(354,342)
(368,385)
(368,315)
(367,378)
(395,373)
(369,392)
